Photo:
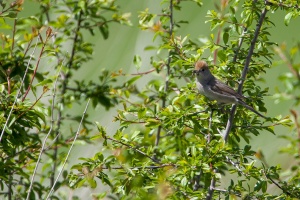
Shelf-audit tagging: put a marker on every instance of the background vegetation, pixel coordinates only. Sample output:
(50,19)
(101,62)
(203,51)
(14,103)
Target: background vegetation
(98,100)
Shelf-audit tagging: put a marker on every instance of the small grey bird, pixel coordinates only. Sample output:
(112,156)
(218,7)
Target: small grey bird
(209,86)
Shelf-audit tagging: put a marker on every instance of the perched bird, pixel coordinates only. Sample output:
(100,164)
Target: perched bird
(209,86)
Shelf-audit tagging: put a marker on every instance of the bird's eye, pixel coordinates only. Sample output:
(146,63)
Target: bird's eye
(202,70)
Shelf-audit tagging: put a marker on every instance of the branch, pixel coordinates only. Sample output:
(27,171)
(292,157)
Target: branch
(13,38)
(295,115)
(226,191)
(275,183)
(19,91)
(65,80)
(280,4)
(145,167)
(143,73)
(168,70)
(289,64)
(69,152)
(45,90)
(245,71)
(48,35)
(135,149)
(236,166)
(98,24)
(210,193)
(48,134)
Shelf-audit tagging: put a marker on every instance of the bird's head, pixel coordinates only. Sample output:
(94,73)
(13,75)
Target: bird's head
(200,67)
(202,71)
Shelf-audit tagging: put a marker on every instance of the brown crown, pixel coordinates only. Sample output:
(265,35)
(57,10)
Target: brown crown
(201,65)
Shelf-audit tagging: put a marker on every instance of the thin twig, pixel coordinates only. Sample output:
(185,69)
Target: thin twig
(144,167)
(241,40)
(44,92)
(13,4)
(213,180)
(209,127)
(28,46)
(289,64)
(143,73)
(19,92)
(8,81)
(13,38)
(225,191)
(168,71)
(236,166)
(10,191)
(275,183)
(133,148)
(65,80)
(245,71)
(36,67)
(69,152)
(197,185)
(98,24)
(210,192)
(280,4)
(295,115)
(48,134)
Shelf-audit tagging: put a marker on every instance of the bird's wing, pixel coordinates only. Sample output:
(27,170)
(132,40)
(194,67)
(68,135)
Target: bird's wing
(224,89)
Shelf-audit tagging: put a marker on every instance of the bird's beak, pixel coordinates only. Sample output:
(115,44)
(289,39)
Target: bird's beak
(195,72)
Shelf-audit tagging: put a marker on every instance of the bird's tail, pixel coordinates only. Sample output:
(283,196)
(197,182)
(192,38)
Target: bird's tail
(250,108)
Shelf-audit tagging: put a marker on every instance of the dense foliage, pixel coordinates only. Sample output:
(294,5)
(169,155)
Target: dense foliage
(171,143)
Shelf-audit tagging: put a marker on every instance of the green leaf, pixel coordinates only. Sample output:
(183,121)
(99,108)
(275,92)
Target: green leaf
(264,186)
(101,129)
(152,123)
(104,30)
(147,48)
(184,181)
(225,37)
(257,186)
(135,134)
(132,80)
(82,5)
(44,82)
(91,182)
(3,24)
(222,56)
(142,112)
(288,18)
(137,61)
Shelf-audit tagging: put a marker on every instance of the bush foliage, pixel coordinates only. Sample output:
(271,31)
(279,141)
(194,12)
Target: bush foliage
(171,143)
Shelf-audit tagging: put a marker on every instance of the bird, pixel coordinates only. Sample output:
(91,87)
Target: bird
(214,89)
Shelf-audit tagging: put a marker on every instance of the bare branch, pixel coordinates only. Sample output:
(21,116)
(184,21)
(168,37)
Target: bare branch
(144,167)
(48,134)
(168,70)
(37,65)
(69,152)
(210,192)
(289,64)
(245,71)
(143,73)
(275,183)
(64,84)
(135,149)
(19,91)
